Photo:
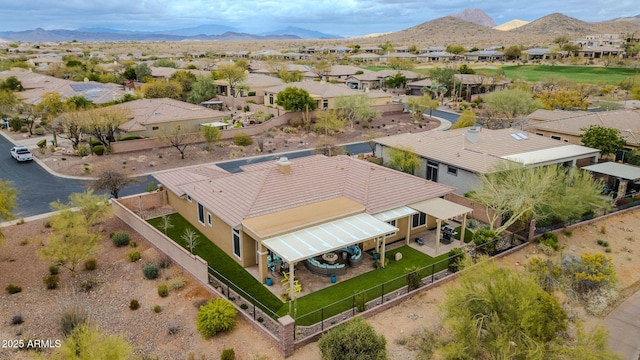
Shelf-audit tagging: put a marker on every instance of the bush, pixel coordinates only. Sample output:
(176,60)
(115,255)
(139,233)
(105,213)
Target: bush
(413,278)
(163,290)
(98,150)
(82,150)
(42,143)
(70,318)
(39,132)
(88,284)
(90,264)
(354,340)
(134,304)
(176,283)
(150,271)
(131,137)
(243,139)
(375,160)
(165,262)
(549,240)
(17,319)
(456,259)
(133,256)
(94,143)
(216,316)
(13,289)
(120,238)
(228,354)
(51,281)
(157,309)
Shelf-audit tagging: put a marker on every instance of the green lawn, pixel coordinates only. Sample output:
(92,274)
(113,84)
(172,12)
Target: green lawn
(337,297)
(580,74)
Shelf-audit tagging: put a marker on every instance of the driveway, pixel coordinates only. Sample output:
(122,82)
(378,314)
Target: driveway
(624,328)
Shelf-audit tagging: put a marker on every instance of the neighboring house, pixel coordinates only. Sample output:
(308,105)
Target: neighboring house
(598,52)
(339,73)
(255,82)
(375,79)
(567,125)
(305,207)
(397,55)
(613,40)
(325,93)
(364,57)
(458,157)
(152,117)
(538,54)
(36,85)
(484,55)
(470,86)
(415,88)
(436,56)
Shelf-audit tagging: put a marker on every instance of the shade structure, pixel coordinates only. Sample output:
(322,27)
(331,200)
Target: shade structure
(440,208)
(395,214)
(320,239)
(614,169)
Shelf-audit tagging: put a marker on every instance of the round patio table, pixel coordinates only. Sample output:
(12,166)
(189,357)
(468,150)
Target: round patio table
(330,258)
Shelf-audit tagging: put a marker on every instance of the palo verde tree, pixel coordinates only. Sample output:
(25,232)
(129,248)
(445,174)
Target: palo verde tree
(233,74)
(74,237)
(466,119)
(420,104)
(608,140)
(88,342)
(103,123)
(511,103)
(525,193)
(211,135)
(403,158)
(157,89)
(179,138)
(202,89)
(356,108)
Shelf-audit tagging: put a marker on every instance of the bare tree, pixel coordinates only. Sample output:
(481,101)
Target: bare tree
(179,138)
(113,180)
(166,224)
(191,239)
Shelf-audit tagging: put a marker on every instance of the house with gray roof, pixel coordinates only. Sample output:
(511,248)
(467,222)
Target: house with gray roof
(458,157)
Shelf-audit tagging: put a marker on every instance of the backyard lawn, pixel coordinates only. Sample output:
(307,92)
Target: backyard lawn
(336,298)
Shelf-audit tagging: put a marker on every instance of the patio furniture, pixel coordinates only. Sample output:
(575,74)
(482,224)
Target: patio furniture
(330,258)
(319,268)
(420,241)
(354,255)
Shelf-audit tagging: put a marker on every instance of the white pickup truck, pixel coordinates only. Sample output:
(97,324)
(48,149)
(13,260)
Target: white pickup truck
(21,153)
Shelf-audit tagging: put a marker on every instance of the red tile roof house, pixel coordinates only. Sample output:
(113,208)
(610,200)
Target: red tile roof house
(306,207)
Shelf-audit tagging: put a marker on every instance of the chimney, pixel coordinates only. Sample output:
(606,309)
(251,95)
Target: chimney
(472,135)
(284,165)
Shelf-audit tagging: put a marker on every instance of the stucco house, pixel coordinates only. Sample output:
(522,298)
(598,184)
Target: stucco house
(458,157)
(152,117)
(306,207)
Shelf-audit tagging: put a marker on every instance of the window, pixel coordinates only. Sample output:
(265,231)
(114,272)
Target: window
(270,99)
(556,137)
(452,171)
(432,171)
(392,223)
(236,242)
(539,134)
(419,219)
(209,219)
(201,213)
(189,198)
(325,104)
(155,127)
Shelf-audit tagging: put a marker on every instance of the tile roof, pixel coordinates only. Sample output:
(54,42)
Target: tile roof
(152,111)
(262,188)
(571,122)
(492,148)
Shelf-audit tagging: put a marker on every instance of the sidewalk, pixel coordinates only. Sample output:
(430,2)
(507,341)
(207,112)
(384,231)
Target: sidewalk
(624,328)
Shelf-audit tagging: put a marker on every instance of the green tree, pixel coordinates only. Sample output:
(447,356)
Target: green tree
(356,108)
(466,119)
(92,208)
(563,99)
(88,342)
(403,158)
(12,84)
(202,89)
(387,47)
(296,99)
(456,49)
(498,313)
(397,80)
(129,73)
(465,69)
(165,63)
(143,72)
(354,340)
(233,74)
(70,126)
(211,135)
(561,40)
(328,123)
(608,140)
(524,193)
(8,196)
(157,89)
(400,63)
(443,77)
(8,103)
(216,316)
(513,52)
(511,103)
(103,123)
(185,79)
(419,104)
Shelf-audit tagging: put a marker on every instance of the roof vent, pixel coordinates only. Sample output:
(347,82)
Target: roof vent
(284,165)
(472,135)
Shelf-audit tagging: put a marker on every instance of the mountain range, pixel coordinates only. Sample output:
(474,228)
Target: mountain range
(471,26)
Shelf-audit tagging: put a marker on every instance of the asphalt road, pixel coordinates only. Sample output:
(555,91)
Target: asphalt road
(37,188)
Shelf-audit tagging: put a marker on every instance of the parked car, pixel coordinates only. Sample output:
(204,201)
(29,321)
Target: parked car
(21,153)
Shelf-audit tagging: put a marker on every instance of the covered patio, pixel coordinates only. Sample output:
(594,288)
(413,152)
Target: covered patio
(442,210)
(621,180)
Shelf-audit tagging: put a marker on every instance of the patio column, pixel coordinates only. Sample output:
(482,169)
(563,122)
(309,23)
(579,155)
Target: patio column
(263,269)
(438,231)
(382,253)
(292,267)
(408,230)
(464,226)
(622,188)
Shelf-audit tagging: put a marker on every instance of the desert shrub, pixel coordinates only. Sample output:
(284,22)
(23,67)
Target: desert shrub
(13,289)
(165,262)
(39,132)
(375,160)
(120,238)
(244,306)
(216,316)
(42,143)
(70,318)
(98,150)
(17,319)
(133,256)
(177,282)
(94,142)
(173,329)
(131,137)
(568,232)
(88,285)
(546,273)
(151,271)
(24,129)
(289,130)
(590,272)
(361,301)
(485,240)
(134,304)
(228,354)
(607,250)
(82,150)
(90,264)
(545,249)
(603,229)
(133,244)
(157,308)
(456,259)
(602,243)
(243,139)
(413,278)
(163,290)
(51,281)
(353,340)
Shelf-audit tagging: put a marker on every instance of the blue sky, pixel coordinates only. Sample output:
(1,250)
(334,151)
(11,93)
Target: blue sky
(340,17)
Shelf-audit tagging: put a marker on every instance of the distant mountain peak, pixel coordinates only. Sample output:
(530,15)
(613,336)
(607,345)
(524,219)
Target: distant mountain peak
(476,16)
(510,25)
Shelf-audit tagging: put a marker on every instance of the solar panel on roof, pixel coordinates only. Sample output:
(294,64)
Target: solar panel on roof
(523,136)
(516,137)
